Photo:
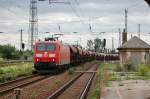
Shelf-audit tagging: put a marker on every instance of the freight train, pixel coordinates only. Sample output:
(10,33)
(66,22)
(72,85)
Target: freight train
(51,55)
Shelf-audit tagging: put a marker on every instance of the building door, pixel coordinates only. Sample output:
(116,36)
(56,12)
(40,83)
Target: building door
(136,58)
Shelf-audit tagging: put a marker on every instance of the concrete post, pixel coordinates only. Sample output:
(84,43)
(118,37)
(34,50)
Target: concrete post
(18,93)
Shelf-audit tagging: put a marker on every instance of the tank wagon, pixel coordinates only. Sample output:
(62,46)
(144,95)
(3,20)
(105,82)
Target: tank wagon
(52,55)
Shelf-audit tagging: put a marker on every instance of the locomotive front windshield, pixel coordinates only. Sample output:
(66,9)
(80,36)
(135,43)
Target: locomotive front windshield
(45,47)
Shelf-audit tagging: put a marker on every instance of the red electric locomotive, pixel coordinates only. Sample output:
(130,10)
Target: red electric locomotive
(50,55)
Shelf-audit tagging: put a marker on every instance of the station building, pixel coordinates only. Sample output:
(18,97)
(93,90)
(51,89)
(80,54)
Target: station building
(135,51)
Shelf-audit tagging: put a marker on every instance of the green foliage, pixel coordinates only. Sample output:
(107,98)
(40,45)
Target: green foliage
(6,78)
(118,68)
(11,72)
(6,51)
(143,69)
(125,67)
(104,43)
(9,52)
(106,83)
(49,87)
(90,45)
(71,71)
(113,77)
(96,44)
(95,93)
(57,81)
(128,67)
(27,54)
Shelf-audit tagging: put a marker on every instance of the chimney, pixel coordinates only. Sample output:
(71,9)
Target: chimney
(124,37)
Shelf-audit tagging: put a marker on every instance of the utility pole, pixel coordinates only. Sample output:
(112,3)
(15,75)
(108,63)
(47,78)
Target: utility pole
(112,44)
(119,30)
(21,41)
(126,20)
(131,35)
(90,28)
(59,28)
(77,43)
(139,30)
(33,23)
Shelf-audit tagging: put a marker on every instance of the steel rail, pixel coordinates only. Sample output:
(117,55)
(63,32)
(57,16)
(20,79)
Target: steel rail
(87,87)
(64,87)
(16,80)
(22,85)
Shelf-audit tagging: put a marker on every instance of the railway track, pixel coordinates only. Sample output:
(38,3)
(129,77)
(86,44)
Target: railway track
(11,85)
(77,88)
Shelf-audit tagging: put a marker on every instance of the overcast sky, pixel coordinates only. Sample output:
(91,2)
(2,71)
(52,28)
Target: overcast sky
(103,15)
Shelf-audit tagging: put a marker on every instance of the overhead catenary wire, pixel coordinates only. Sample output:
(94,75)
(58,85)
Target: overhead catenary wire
(79,15)
(62,22)
(75,12)
(13,12)
(80,9)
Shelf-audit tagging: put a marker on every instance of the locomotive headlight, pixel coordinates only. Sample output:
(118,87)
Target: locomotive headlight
(38,55)
(51,55)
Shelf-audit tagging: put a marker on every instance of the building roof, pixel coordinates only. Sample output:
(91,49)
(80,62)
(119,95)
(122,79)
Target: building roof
(135,43)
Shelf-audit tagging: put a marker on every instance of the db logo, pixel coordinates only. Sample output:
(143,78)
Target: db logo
(45,54)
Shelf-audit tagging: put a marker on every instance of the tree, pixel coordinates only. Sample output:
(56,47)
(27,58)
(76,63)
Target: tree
(97,44)
(104,43)
(9,52)
(90,45)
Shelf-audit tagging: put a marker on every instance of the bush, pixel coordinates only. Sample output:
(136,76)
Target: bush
(118,68)
(7,78)
(143,69)
(128,67)
(71,71)
(1,71)
(9,52)
(95,93)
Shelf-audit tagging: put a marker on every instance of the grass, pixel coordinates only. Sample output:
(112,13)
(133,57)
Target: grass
(143,69)
(49,87)
(34,94)
(71,70)
(57,81)
(112,77)
(107,83)
(114,71)
(11,72)
(142,72)
(95,92)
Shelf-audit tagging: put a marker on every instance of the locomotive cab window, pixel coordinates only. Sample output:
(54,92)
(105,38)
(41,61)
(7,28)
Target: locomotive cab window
(50,47)
(41,47)
(45,47)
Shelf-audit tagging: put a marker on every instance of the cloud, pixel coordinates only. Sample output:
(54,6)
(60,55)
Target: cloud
(103,15)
